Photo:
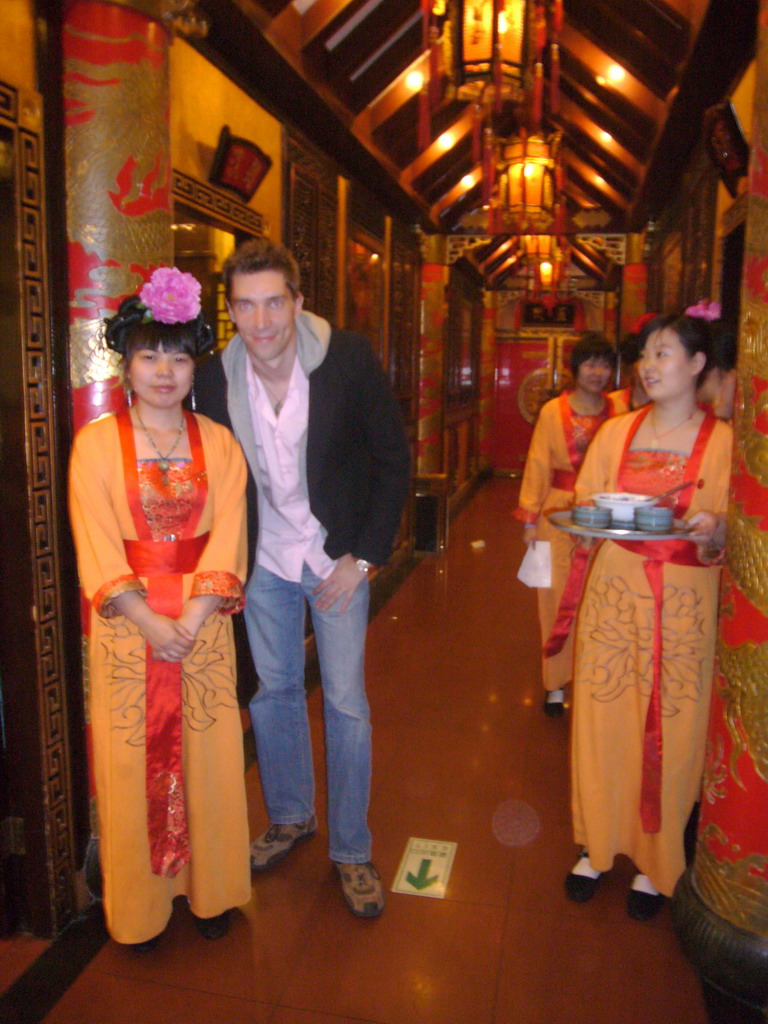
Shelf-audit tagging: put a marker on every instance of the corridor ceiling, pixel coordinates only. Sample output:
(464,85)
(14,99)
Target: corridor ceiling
(337,69)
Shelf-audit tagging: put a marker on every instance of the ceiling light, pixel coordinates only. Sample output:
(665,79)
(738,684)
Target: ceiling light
(616,73)
(600,80)
(414,81)
(606,137)
(468,180)
(445,141)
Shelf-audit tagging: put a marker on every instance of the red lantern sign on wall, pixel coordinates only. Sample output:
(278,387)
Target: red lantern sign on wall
(239,165)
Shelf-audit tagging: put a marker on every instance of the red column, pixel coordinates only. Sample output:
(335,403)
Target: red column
(116,90)
(118,167)
(721,903)
(634,295)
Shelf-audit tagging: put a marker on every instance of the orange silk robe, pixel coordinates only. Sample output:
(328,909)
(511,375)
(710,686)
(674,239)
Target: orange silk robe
(557,449)
(622,400)
(613,662)
(138,903)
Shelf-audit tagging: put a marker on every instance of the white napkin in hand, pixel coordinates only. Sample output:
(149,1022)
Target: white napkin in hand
(536,568)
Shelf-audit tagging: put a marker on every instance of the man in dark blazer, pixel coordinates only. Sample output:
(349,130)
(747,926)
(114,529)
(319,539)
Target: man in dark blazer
(329,469)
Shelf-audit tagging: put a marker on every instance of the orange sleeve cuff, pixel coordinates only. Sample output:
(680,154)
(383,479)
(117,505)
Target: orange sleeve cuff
(220,584)
(107,592)
(529,518)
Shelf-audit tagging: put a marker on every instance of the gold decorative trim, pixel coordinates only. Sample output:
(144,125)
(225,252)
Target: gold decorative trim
(748,556)
(737,889)
(753,363)
(30,110)
(745,669)
(207,199)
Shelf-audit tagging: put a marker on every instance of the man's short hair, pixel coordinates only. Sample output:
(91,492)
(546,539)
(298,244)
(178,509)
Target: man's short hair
(261,254)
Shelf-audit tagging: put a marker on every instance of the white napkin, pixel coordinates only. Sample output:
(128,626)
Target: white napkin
(536,568)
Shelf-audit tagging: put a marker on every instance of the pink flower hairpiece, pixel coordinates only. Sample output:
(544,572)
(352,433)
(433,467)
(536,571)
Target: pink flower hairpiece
(705,310)
(171,296)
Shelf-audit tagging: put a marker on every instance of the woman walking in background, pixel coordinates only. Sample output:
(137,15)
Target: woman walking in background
(564,428)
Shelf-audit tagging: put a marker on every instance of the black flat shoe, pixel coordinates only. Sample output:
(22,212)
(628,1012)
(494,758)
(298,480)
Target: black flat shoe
(580,888)
(213,927)
(553,709)
(642,906)
(147,946)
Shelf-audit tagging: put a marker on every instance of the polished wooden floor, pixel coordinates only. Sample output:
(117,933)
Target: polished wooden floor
(463,753)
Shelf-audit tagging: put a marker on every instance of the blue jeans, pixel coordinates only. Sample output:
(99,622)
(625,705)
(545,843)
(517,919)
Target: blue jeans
(274,616)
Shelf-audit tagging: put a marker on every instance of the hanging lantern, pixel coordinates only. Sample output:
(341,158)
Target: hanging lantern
(541,258)
(527,183)
(488,47)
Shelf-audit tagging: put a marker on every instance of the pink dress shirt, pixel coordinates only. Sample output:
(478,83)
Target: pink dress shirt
(289,535)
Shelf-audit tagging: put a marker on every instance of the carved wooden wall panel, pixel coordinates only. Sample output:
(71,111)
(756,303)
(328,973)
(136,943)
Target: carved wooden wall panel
(682,242)
(404,321)
(310,223)
(33,676)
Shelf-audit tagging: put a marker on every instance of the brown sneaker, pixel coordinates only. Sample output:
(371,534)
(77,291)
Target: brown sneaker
(278,841)
(362,890)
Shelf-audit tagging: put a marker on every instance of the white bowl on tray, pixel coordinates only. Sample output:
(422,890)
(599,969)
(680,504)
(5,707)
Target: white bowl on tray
(622,504)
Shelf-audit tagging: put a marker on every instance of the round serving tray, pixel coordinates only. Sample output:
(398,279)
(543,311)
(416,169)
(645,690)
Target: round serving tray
(563,520)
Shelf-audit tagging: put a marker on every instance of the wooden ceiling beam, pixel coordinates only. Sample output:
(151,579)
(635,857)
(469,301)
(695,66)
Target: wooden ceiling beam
(388,102)
(572,120)
(616,173)
(373,33)
(454,195)
(606,120)
(589,260)
(599,192)
(635,108)
(624,43)
(245,55)
(387,66)
(448,174)
(320,18)
(460,128)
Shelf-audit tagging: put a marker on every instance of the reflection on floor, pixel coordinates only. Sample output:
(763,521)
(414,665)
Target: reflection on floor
(463,753)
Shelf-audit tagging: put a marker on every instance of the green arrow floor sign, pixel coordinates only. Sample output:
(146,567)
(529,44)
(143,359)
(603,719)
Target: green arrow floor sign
(425,868)
(422,881)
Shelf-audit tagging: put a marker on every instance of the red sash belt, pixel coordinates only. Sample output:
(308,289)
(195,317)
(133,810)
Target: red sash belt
(564,479)
(656,553)
(151,557)
(163,563)
(569,602)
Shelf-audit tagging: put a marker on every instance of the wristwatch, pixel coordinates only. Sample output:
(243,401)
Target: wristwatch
(362,565)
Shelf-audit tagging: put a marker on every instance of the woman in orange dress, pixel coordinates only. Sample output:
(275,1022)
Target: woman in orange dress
(564,428)
(646,627)
(157,508)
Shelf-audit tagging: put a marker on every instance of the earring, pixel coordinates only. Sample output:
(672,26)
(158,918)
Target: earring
(192,399)
(128,394)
